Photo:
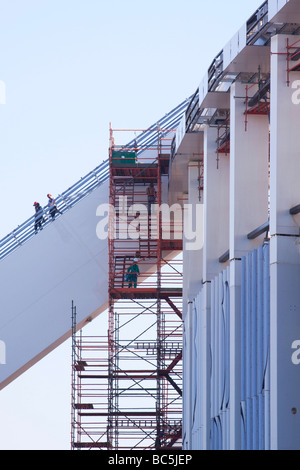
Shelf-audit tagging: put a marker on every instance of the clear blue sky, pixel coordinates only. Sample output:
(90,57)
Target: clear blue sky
(70,68)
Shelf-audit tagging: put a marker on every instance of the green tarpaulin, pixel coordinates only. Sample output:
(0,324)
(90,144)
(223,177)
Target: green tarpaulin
(123,158)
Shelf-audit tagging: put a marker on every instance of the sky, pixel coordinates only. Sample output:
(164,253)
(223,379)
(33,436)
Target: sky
(70,68)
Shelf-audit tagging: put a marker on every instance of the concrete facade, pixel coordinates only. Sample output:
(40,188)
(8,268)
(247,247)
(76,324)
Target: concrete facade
(284,250)
(241,325)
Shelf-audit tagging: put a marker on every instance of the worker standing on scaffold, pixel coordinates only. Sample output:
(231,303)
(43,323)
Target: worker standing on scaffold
(151,193)
(132,274)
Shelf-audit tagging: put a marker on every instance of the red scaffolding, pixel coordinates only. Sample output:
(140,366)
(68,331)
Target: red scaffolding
(145,295)
(89,407)
(127,387)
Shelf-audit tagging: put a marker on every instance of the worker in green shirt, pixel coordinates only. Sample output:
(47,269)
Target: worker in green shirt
(132,274)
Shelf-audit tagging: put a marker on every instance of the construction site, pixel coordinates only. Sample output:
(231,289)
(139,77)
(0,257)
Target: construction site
(186,241)
(128,385)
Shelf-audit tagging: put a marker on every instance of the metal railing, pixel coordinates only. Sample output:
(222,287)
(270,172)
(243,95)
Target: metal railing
(84,186)
(148,138)
(64,201)
(192,111)
(215,71)
(257,23)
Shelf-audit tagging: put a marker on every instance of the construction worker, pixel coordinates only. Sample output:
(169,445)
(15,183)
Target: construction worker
(151,193)
(132,274)
(52,207)
(39,213)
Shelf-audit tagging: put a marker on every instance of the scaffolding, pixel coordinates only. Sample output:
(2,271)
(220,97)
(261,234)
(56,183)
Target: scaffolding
(89,390)
(127,386)
(145,297)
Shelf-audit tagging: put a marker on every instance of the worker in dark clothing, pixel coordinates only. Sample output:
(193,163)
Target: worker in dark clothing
(132,274)
(39,217)
(52,207)
(151,193)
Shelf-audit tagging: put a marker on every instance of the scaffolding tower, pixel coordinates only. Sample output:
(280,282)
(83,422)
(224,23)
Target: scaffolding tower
(127,386)
(145,297)
(89,390)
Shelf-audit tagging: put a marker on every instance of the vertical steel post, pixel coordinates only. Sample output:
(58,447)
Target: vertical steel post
(73,391)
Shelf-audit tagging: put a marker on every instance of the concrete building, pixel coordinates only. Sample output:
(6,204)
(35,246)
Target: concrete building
(241,300)
(235,162)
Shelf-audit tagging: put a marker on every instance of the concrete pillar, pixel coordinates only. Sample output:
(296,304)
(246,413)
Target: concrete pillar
(284,253)
(248,210)
(187,391)
(205,359)
(249,151)
(216,206)
(192,277)
(216,243)
(193,235)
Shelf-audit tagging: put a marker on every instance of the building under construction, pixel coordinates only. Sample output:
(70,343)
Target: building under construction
(186,241)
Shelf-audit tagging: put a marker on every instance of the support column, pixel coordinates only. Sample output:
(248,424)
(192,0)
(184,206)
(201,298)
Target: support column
(284,254)
(216,206)
(205,369)
(187,389)
(193,235)
(248,210)
(192,266)
(216,242)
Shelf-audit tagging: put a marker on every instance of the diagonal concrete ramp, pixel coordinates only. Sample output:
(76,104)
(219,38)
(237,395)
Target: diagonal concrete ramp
(66,261)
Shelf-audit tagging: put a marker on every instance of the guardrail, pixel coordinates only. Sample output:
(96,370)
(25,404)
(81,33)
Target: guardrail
(170,121)
(192,111)
(257,23)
